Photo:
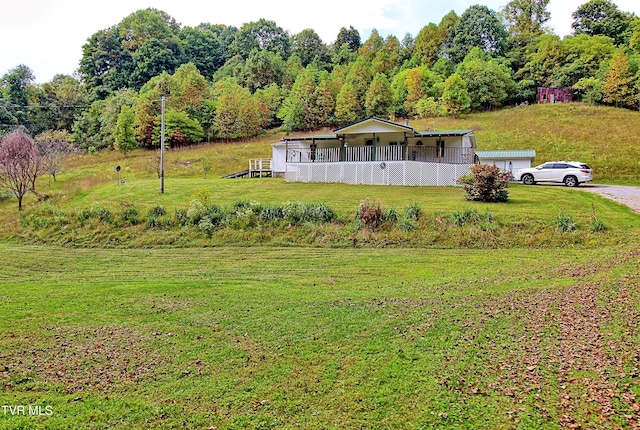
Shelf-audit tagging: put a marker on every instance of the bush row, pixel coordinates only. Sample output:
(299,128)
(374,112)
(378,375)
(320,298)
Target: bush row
(207,217)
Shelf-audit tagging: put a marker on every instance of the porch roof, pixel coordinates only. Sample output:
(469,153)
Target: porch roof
(316,137)
(439,133)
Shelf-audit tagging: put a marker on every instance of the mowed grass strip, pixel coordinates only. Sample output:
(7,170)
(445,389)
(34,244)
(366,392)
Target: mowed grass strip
(297,337)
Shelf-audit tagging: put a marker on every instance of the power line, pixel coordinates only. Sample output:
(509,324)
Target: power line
(46,106)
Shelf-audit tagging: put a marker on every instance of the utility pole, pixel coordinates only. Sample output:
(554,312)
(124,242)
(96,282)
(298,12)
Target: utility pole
(162,149)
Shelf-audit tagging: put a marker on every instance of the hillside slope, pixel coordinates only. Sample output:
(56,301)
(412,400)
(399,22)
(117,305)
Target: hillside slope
(606,138)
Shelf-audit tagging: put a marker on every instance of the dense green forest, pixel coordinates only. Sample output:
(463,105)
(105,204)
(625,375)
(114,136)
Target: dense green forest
(224,83)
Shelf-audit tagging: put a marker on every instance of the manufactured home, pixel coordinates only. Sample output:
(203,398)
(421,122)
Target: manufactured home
(377,152)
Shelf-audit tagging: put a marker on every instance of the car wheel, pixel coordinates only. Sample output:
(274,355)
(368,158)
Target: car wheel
(528,179)
(571,181)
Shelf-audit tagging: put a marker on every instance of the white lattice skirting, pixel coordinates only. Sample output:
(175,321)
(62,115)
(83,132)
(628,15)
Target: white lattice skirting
(378,173)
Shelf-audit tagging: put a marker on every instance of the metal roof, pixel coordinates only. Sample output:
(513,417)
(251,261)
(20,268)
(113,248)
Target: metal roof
(438,133)
(514,153)
(316,137)
(374,119)
(389,125)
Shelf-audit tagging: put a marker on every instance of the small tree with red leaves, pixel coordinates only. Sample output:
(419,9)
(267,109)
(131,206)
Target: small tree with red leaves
(20,164)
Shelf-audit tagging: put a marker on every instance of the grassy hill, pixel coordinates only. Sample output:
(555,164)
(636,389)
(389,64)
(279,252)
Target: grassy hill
(606,138)
(516,315)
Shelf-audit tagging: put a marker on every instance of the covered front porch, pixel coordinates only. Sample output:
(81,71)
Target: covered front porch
(434,154)
(377,151)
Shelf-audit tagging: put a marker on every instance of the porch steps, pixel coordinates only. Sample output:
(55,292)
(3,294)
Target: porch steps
(240,174)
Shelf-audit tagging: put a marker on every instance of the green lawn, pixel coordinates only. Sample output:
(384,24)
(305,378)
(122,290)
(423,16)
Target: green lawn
(317,338)
(508,321)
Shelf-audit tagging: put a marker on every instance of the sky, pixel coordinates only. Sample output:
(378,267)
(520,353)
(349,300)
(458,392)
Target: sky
(47,35)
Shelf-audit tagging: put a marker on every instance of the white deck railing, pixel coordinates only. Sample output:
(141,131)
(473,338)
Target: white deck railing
(450,155)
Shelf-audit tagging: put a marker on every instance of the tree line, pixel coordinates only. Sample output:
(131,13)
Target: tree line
(226,83)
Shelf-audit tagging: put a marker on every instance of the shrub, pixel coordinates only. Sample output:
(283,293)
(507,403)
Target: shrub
(101,212)
(206,226)
(597,225)
(196,211)
(370,213)
(391,215)
(157,210)
(486,183)
(294,212)
(181,217)
(319,212)
(131,215)
(270,213)
(83,215)
(565,223)
(413,211)
(152,220)
(202,195)
(215,214)
(406,224)
(472,216)
(464,217)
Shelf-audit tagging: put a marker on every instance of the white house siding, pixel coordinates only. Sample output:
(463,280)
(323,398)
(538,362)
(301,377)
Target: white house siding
(504,164)
(410,173)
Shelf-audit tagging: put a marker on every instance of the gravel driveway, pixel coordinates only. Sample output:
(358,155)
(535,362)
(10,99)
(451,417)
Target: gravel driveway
(629,196)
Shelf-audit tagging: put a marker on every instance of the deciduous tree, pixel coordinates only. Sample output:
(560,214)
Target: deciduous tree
(350,36)
(20,164)
(308,45)
(619,82)
(203,48)
(489,83)
(455,97)
(261,34)
(15,88)
(479,27)
(54,146)
(602,17)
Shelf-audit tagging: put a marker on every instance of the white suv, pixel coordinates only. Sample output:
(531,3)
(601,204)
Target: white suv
(572,173)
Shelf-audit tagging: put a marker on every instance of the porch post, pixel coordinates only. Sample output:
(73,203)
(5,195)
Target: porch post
(373,148)
(405,153)
(286,151)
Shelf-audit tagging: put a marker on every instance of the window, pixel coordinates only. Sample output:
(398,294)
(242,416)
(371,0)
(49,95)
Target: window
(368,142)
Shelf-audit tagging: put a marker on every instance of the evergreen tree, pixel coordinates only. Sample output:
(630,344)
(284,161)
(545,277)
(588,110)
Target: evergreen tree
(379,97)
(347,104)
(124,133)
(428,45)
